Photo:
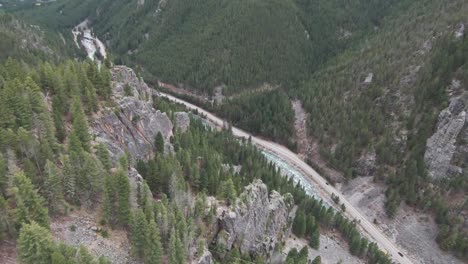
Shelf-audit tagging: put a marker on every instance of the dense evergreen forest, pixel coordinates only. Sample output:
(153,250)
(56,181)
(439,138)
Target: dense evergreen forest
(266,114)
(319,52)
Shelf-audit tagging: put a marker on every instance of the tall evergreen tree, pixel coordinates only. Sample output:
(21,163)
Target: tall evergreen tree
(35,244)
(53,188)
(69,181)
(103,154)
(159,143)
(80,124)
(29,204)
(123,190)
(154,250)
(139,233)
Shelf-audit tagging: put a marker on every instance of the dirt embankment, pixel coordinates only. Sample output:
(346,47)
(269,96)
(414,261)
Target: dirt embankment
(307,146)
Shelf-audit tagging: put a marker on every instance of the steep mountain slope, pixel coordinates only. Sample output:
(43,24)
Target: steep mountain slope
(373,109)
(239,43)
(30,43)
(383,82)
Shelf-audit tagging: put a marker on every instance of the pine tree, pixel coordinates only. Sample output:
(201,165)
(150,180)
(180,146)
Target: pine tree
(29,204)
(110,200)
(123,189)
(80,124)
(90,180)
(154,251)
(53,188)
(35,244)
(57,113)
(139,233)
(103,155)
(84,257)
(299,225)
(317,260)
(314,240)
(69,181)
(58,258)
(228,191)
(176,250)
(159,143)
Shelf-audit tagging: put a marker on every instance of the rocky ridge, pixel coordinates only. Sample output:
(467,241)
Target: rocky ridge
(132,125)
(447,149)
(257,222)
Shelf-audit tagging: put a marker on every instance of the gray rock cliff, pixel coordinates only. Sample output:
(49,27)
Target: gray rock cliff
(449,140)
(257,222)
(132,124)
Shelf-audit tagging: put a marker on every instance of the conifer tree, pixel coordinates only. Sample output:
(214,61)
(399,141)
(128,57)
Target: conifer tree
(159,143)
(228,191)
(53,188)
(139,233)
(154,251)
(35,244)
(103,155)
(123,190)
(110,200)
(57,114)
(29,204)
(90,180)
(176,250)
(314,240)
(317,260)
(80,124)
(69,181)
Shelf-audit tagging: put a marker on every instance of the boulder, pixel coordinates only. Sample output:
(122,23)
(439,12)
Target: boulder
(257,222)
(132,124)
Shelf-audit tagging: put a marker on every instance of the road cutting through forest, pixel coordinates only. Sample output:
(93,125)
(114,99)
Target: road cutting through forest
(290,157)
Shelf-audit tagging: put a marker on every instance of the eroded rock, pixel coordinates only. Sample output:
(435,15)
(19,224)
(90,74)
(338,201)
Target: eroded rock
(443,144)
(133,123)
(257,222)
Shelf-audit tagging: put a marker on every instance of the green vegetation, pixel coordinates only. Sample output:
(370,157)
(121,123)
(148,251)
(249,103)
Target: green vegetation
(197,162)
(269,114)
(40,176)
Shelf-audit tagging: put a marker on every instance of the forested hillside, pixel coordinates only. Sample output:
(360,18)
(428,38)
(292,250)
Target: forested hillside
(237,43)
(413,61)
(384,85)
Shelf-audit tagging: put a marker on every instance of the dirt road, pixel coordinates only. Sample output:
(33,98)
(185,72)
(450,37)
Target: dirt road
(290,157)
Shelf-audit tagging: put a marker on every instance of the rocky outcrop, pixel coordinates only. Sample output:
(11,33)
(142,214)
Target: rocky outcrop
(206,258)
(257,222)
(132,124)
(182,121)
(448,140)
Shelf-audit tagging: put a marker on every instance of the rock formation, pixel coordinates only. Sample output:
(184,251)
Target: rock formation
(257,222)
(182,121)
(132,124)
(449,139)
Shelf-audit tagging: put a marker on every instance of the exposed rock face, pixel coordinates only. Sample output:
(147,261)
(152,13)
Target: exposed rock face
(206,258)
(448,140)
(133,123)
(257,222)
(182,121)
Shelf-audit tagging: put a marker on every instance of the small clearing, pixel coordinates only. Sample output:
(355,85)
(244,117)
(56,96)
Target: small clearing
(82,228)
(413,231)
(331,250)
